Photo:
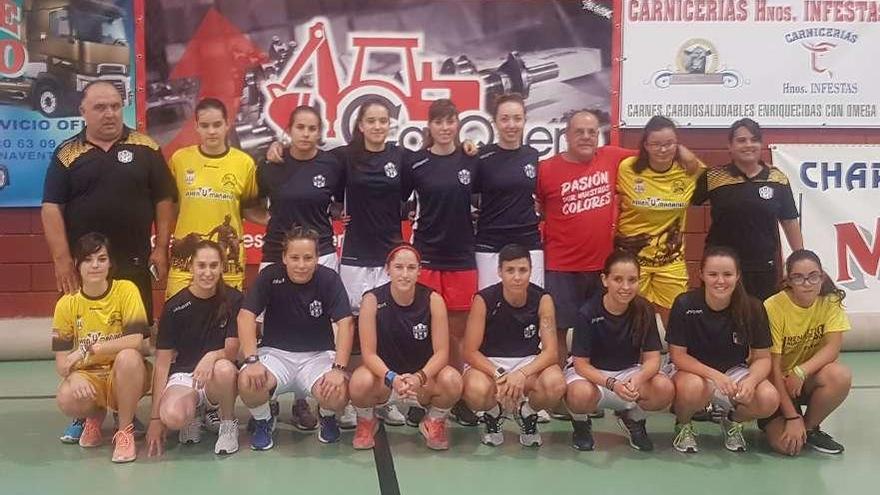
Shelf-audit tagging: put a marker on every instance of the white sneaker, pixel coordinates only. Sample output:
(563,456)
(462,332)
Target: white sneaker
(348,420)
(227,439)
(543,416)
(191,432)
(492,435)
(391,415)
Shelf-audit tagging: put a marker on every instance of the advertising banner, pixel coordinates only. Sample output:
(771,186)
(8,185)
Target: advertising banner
(784,63)
(49,51)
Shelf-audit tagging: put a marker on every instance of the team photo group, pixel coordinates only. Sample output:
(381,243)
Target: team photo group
(529,288)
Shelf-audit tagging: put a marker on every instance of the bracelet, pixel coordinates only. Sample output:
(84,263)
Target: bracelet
(423,378)
(337,366)
(793,418)
(610,383)
(799,372)
(389,378)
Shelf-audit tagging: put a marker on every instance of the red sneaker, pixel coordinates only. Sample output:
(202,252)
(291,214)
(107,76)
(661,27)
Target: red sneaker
(366,430)
(434,431)
(91,435)
(125,450)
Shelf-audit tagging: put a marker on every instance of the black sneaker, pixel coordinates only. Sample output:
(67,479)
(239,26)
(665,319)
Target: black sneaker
(823,442)
(582,435)
(414,416)
(463,415)
(636,432)
(493,436)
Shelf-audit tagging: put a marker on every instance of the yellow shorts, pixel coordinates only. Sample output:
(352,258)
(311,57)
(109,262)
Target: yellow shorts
(102,380)
(179,280)
(661,285)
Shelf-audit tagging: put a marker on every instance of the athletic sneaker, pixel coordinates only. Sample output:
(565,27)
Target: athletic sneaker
(303,417)
(434,431)
(685,438)
(414,416)
(463,415)
(582,435)
(348,420)
(192,431)
(364,436)
(73,431)
(329,430)
(391,415)
(733,435)
(598,414)
(493,436)
(261,438)
(91,435)
(274,408)
(823,442)
(139,429)
(227,438)
(125,450)
(211,421)
(528,429)
(543,416)
(635,431)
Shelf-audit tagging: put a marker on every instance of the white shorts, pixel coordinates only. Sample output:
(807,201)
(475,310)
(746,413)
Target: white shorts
(607,398)
(487,269)
(186,380)
(328,260)
(359,279)
(508,363)
(295,372)
(718,399)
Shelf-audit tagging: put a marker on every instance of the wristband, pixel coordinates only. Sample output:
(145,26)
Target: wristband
(337,366)
(389,378)
(610,383)
(793,418)
(423,378)
(799,372)
(252,359)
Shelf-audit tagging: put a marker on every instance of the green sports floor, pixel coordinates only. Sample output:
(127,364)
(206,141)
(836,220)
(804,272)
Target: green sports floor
(33,461)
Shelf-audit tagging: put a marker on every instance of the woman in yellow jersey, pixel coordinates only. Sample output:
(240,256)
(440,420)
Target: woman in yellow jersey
(215,182)
(655,189)
(807,321)
(96,334)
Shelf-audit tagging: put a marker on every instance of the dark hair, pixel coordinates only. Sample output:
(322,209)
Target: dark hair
(222,299)
(88,245)
(439,109)
(827,288)
(507,98)
(596,114)
(312,110)
(404,246)
(299,233)
(657,123)
(211,103)
(749,124)
(357,144)
(512,252)
(744,309)
(643,316)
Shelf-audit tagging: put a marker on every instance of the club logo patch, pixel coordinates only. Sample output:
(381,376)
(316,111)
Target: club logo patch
(464,176)
(190,177)
(530,170)
(420,331)
(390,170)
(766,192)
(316,309)
(639,186)
(319,181)
(530,331)
(124,156)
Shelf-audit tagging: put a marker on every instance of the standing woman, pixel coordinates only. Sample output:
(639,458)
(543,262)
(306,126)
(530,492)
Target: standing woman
(215,182)
(807,322)
(405,347)
(506,180)
(195,354)
(616,358)
(719,342)
(655,192)
(749,200)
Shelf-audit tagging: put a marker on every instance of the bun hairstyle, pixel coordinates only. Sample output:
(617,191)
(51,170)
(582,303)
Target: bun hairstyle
(828,288)
(745,310)
(643,316)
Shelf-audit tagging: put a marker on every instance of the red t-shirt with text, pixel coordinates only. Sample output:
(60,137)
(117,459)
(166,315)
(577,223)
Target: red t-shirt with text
(579,209)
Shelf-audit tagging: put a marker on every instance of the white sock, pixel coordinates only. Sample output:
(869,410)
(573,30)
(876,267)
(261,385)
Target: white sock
(364,412)
(580,416)
(261,412)
(325,413)
(636,413)
(437,413)
(525,410)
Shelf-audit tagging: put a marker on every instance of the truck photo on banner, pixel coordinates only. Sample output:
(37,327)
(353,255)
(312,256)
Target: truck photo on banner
(49,51)
(784,63)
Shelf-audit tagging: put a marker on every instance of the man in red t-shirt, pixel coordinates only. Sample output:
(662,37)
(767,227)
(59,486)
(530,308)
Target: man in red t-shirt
(576,192)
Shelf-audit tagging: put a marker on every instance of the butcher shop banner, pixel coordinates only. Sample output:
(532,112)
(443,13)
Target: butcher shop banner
(263,58)
(784,63)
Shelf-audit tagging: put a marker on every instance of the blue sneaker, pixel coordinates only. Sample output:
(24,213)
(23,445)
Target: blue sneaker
(261,439)
(74,431)
(329,430)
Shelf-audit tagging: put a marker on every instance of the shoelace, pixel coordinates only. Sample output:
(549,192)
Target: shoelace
(529,425)
(91,428)
(124,438)
(435,427)
(228,427)
(685,431)
(493,424)
(735,429)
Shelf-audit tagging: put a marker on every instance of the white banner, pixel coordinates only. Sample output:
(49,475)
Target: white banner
(785,63)
(837,187)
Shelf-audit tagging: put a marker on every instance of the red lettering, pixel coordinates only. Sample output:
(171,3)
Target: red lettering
(851,243)
(10,18)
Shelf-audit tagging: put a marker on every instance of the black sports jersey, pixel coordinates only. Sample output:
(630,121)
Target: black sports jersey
(443,231)
(192,326)
(506,182)
(373,196)
(709,335)
(745,211)
(403,333)
(298,317)
(300,193)
(113,192)
(511,331)
(607,339)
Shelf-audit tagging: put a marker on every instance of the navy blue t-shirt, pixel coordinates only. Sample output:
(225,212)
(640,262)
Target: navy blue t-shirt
(443,230)
(511,331)
(506,182)
(300,193)
(298,317)
(607,339)
(403,333)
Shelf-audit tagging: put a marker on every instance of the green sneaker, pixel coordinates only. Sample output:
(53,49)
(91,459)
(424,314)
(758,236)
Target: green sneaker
(685,438)
(733,435)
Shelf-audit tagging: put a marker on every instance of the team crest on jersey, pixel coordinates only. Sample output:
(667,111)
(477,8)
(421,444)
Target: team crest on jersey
(228,181)
(390,170)
(639,186)
(678,187)
(420,331)
(115,319)
(766,192)
(464,176)
(530,331)
(529,170)
(736,339)
(79,324)
(124,156)
(319,181)
(190,177)
(316,309)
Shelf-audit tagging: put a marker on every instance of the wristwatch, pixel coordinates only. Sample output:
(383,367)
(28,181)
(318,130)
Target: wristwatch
(499,372)
(252,359)
(337,366)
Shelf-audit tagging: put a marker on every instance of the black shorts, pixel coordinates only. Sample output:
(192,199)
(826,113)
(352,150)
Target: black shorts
(570,291)
(761,284)
(799,403)
(139,276)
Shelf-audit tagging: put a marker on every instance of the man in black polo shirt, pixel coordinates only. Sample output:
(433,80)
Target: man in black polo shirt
(113,180)
(748,198)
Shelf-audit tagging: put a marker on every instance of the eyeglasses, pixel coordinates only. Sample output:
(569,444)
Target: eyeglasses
(798,279)
(661,146)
